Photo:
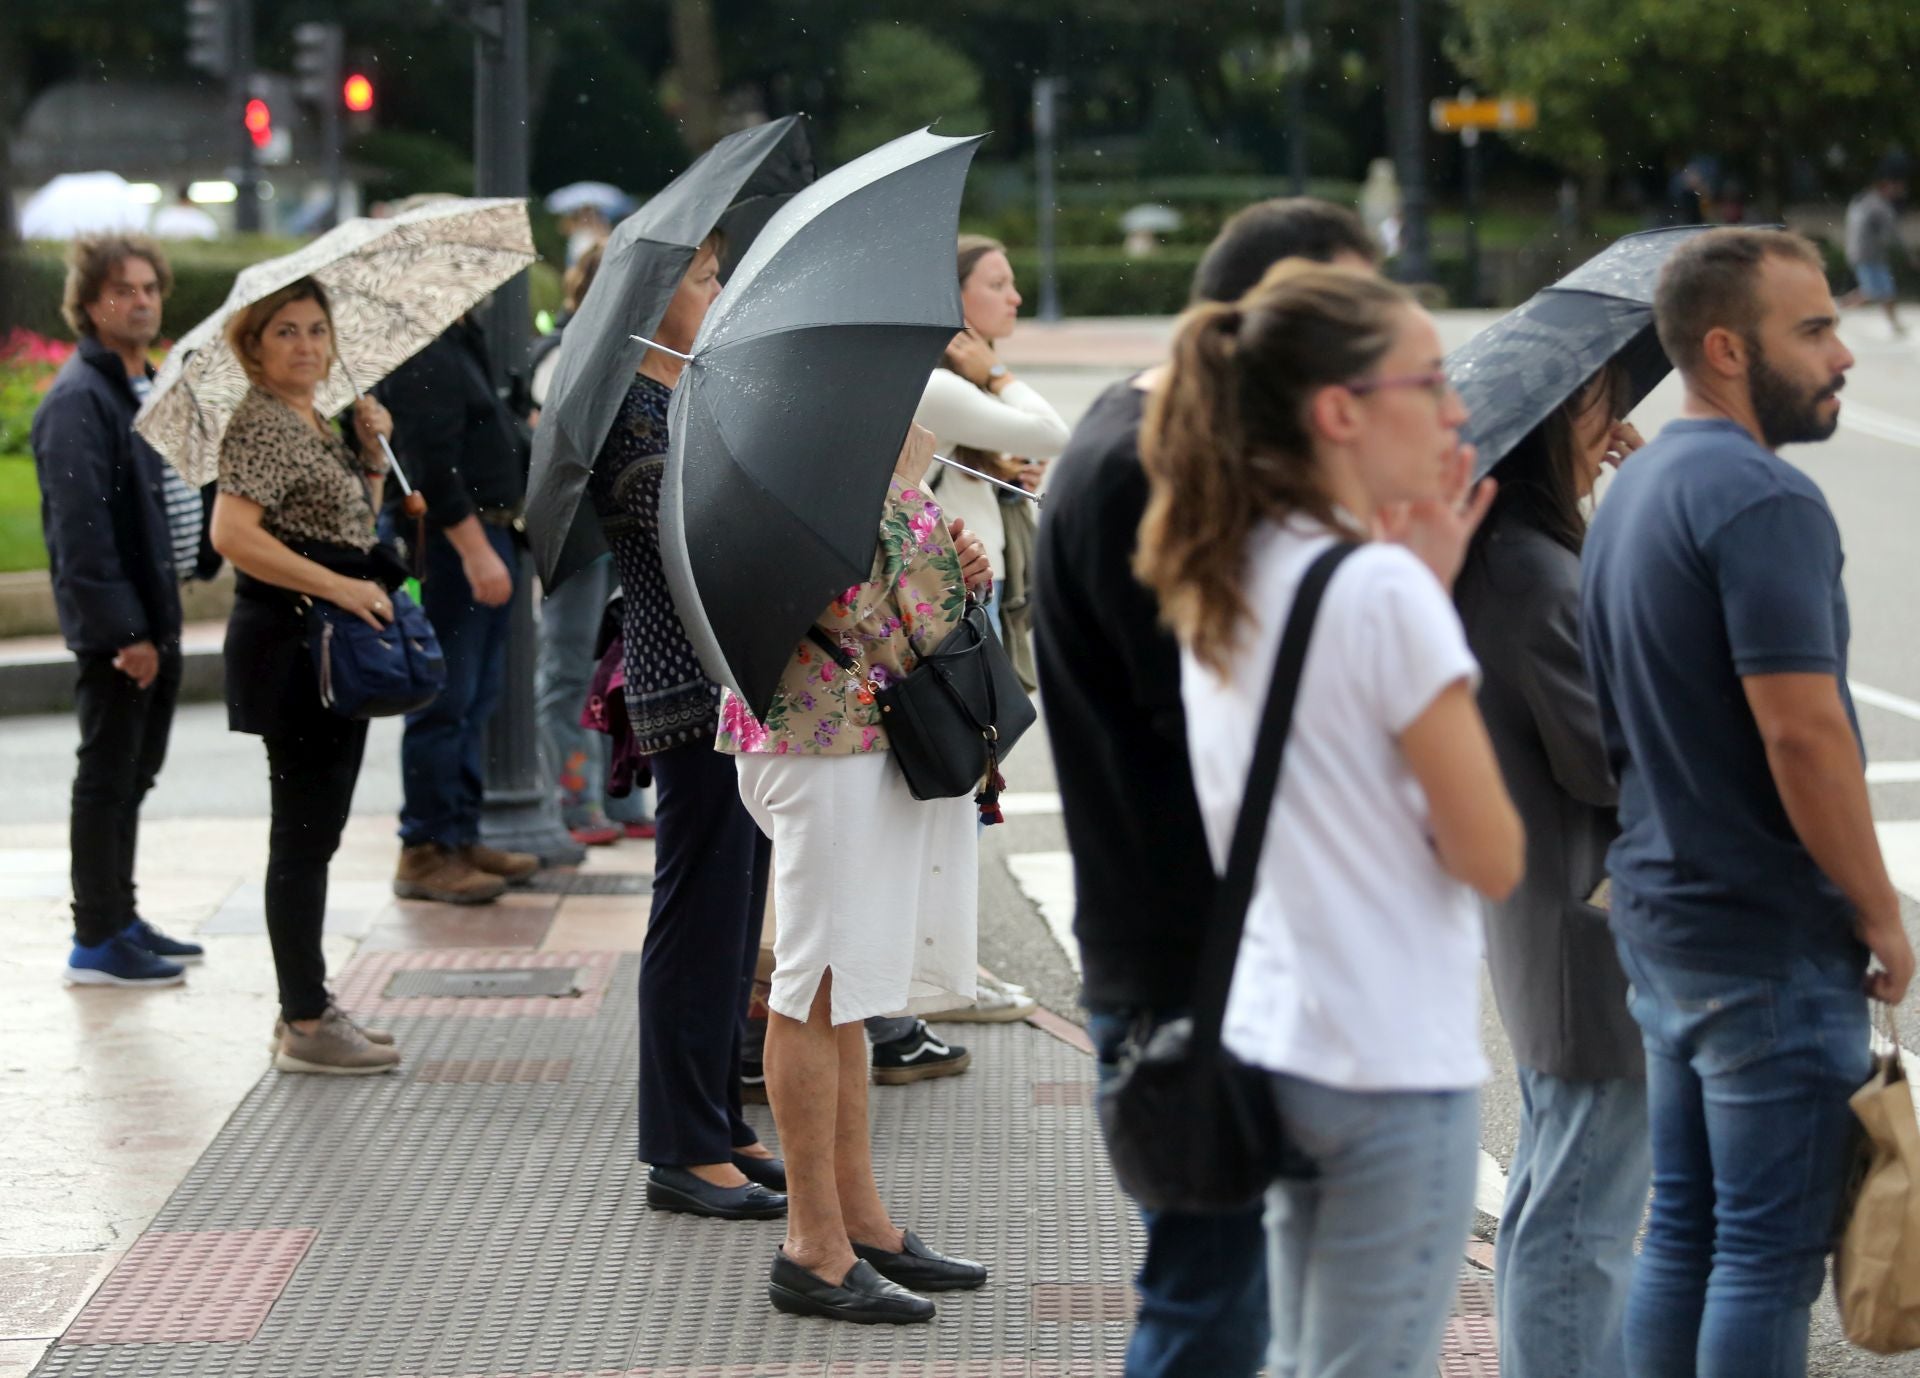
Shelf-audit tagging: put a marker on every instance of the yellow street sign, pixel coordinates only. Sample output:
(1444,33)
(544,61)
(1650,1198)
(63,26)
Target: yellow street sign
(1454,116)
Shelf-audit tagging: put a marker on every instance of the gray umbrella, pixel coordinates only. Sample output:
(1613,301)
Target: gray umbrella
(804,379)
(1513,374)
(640,268)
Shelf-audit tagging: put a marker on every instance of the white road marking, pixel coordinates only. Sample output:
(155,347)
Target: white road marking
(1893,772)
(1880,698)
(1490,1189)
(1016,804)
(1881,425)
(1046,878)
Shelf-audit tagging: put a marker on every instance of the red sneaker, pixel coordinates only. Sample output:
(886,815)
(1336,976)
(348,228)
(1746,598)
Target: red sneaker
(641,830)
(595,835)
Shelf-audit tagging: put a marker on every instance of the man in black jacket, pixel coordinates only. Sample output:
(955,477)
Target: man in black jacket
(1110,677)
(122,530)
(465,453)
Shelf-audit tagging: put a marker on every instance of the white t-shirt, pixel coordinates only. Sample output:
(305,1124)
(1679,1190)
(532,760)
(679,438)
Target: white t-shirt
(1360,964)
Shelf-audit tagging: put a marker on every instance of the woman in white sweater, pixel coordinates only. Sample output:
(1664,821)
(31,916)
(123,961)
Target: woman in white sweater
(983,416)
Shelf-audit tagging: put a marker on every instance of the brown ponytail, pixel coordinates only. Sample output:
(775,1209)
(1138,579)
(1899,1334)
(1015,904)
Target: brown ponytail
(1226,444)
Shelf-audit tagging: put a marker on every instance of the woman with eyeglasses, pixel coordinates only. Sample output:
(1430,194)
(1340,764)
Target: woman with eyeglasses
(1312,412)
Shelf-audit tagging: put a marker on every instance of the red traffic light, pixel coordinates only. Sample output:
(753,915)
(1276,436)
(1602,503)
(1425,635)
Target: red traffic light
(358,93)
(259,123)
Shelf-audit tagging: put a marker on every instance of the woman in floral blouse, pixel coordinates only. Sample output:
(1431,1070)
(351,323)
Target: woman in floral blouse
(876,896)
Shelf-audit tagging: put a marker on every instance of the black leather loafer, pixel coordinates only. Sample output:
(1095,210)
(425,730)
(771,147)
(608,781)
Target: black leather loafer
(676,1189)
(864,1297)
(770,1173)
(921,1268)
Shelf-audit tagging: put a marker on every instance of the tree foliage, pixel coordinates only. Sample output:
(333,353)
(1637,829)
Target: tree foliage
(896,77)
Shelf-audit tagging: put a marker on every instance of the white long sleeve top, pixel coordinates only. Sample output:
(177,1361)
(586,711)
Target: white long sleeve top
(1018,422)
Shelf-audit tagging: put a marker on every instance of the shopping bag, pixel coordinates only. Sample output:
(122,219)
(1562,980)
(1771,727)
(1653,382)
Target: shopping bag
(1877,1268)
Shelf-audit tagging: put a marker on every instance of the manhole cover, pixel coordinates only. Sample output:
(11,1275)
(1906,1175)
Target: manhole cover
(563,882)
(500,983)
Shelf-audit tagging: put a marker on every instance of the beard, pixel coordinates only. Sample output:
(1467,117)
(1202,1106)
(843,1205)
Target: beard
(1788,412)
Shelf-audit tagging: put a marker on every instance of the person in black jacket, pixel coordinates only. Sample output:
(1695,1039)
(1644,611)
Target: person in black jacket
(1110,677)
(464,451)
(122,530)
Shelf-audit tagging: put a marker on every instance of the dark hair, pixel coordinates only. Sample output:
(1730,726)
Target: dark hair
(1226,443)
(1536,477)
(246,326)
(1263,234)
(92,259)
(1711,283)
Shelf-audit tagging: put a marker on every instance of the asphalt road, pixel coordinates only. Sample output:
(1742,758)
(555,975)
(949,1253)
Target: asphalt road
(1871,474)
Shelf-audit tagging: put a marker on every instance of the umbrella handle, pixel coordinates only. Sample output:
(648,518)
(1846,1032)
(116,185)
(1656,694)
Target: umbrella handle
(1033,498)
(655,344)
(414,505)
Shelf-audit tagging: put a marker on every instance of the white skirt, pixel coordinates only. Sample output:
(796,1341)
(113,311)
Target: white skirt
(868,882)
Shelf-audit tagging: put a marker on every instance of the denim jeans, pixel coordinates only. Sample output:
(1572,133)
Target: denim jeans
(575,757)
(1362,1260)
(1748,1079)
(1203,1283)
(1576,1194)
(442,752)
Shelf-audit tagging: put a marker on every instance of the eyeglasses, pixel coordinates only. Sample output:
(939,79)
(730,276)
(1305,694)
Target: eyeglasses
(1436,383)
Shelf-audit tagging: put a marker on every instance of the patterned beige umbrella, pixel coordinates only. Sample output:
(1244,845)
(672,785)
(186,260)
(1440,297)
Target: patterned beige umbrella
(394,285)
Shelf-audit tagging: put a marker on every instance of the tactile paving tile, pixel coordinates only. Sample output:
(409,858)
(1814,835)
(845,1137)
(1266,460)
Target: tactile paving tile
(1065,1094)
(498,1071)
(202,1285)
(588,883)
(363,982)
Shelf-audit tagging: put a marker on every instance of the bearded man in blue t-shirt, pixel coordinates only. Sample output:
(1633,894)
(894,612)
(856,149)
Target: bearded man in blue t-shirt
(1748,887)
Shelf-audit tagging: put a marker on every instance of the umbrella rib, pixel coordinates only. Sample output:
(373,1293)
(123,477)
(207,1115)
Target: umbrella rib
(700,355)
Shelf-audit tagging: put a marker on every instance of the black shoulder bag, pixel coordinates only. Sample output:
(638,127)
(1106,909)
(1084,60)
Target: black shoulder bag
(1189,1126)
(954,717)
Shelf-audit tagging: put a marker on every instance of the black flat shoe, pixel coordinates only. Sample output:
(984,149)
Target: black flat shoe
(676,1189)
(921,1268)
(864,1297)
(770,1173)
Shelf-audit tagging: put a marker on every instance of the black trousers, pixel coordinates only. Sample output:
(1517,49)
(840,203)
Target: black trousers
(696,966)
(123,743)
(312,766)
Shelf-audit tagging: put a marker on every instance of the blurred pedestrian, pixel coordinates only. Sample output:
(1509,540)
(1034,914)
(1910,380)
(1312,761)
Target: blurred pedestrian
(466,456)
(1873,233)
(710,867)
(575,757)
(1110,672)
(876,896)
(1748,888)
(1315,411)
(1577,1184)
(184,219)
(295,515)
(122,531)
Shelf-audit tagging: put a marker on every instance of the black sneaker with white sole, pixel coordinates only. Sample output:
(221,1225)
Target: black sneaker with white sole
(917,1056)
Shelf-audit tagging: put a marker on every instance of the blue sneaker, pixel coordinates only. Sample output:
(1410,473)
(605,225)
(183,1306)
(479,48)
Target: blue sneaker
(143,934)
(119,962)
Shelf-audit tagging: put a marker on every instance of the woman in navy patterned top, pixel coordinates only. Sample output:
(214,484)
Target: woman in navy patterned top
(710,868)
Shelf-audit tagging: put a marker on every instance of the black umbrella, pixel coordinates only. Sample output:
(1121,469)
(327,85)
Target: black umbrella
(804,379)
(1513,374)
(640,268)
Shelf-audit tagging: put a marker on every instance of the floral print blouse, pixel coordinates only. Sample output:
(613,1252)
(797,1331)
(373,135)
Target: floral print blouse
(912,599)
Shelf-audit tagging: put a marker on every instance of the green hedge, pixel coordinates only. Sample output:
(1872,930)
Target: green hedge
(1105,282)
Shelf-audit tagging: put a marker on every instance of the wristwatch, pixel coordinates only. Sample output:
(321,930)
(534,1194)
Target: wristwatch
(997,371)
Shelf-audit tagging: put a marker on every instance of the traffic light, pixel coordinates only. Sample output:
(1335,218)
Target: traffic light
(316,61)
(259,122)
(210,36)
(358,94)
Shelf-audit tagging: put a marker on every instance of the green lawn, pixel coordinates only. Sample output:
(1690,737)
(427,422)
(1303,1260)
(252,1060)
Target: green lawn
(20,544)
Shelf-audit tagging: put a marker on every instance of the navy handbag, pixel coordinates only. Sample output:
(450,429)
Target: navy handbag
(365,673)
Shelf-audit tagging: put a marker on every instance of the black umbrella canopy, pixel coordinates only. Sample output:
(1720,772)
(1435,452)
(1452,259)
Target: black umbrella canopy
(786,425)
(1513,374)
(640,268)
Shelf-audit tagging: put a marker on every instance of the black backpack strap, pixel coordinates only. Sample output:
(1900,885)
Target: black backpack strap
(832,649)
(1222,946)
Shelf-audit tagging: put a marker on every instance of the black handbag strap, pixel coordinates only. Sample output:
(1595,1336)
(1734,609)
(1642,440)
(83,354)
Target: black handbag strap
(1228,920)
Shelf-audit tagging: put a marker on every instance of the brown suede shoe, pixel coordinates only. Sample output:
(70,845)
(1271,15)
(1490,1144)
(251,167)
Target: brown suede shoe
(432,872)
(512,867)
(376,1036)
(334,1048)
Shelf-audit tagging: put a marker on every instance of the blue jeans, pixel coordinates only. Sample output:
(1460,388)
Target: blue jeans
(1576,1194)
(1363,1260)
(1748,1079)
(575,757)
(442,752)
(1203,1283)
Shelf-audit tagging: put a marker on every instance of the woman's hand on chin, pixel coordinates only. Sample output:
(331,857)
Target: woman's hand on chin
(1439,529)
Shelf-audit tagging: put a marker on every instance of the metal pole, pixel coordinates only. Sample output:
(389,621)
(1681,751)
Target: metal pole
(246,178)
(1416,259)
(1045,121)
(520,812)
(1300,55)
(330,125)
(1470,160)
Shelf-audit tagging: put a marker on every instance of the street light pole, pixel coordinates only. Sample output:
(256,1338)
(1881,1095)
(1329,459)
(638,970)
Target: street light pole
(1300,50)
(1416,260)
(520,813)
(1046,120)
(246,177)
